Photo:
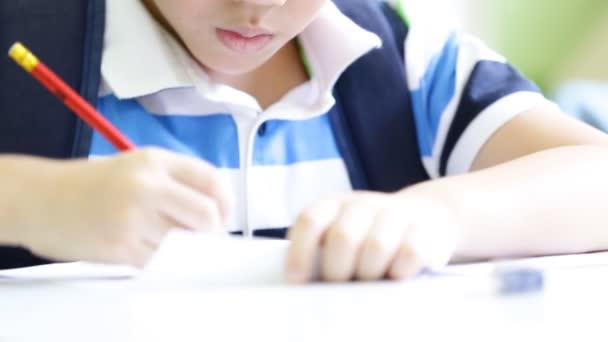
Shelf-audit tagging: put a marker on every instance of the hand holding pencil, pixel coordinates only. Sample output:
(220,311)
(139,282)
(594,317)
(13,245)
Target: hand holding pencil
(110,210)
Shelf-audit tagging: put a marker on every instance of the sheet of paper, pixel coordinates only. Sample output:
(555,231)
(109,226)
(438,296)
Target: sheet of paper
(549,263)
(186,257)
(68,271)
(219,260)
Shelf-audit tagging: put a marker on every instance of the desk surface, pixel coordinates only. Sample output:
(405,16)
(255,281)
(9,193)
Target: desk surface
(572,308)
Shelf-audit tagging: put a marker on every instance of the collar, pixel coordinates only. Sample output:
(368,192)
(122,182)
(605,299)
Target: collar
(140,58)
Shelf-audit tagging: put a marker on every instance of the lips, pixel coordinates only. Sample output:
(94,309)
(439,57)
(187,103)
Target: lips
(242,40)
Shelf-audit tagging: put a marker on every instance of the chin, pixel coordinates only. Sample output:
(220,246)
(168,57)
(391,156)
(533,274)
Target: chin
(233,67)
(229,64)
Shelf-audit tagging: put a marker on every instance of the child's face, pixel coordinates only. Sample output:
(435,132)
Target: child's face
(236,36)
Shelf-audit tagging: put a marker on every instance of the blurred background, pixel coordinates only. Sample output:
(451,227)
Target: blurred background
(562,45)
(552,41)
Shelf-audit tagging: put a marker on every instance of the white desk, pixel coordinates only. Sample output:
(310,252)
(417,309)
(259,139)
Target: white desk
(193,291)
(572,308)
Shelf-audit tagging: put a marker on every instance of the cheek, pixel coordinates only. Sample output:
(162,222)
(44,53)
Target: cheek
(187,14)
(310,7)
(302,12)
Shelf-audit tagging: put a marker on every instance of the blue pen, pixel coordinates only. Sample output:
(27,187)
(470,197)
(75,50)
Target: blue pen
(513,280)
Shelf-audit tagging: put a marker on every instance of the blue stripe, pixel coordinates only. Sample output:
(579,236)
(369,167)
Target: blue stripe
(286,142)
(437,88)
(213,138)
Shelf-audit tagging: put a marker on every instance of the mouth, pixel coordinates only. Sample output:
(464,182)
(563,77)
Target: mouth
(244,40)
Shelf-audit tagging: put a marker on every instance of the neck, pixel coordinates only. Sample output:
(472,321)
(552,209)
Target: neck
(283,72)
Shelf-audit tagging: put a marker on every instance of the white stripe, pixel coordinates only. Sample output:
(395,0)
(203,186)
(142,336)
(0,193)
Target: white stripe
(421,46)
(486,124)
(181,101)
(296,105)
(471,51)
(431,167)
(279,193)
(431,12)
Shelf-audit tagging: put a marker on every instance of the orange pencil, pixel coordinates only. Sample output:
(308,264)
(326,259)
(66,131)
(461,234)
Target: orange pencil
(68,96)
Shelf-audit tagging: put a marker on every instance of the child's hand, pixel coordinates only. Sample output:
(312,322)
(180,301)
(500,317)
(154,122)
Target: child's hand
(370,236)
(117,210)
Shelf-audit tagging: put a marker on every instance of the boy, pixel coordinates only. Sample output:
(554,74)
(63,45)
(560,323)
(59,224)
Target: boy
(249,87)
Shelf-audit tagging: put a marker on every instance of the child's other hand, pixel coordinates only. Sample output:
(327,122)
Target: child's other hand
(371,236)
(118,210)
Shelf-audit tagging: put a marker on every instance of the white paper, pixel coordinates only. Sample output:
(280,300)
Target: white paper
(218,260)
(68,271)
(189,258)
(548,263)
(193,259)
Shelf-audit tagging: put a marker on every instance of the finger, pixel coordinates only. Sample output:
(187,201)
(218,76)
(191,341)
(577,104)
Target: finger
(380,246)
(190,209)
(406,262)
(205,178)
(151,244)
(344,239)
(161,227)
(435,244)
(142,253)
(135,254)
(305,237)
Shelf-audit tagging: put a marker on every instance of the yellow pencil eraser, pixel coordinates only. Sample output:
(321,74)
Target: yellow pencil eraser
(23,56)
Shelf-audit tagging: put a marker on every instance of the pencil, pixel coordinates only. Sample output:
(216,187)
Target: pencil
(28,61)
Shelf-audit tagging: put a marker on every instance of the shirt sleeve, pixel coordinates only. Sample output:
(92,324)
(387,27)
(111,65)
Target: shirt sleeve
(462,93)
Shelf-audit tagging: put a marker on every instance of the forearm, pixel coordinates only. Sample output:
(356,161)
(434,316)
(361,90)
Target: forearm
(551,202)
(21,185)
(8,203)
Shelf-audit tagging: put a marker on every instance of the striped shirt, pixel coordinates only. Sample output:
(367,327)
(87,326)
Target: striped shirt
(283,158)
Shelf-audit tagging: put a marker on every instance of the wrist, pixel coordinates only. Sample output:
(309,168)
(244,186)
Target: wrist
(472,203)
(475,202)
(437,208)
